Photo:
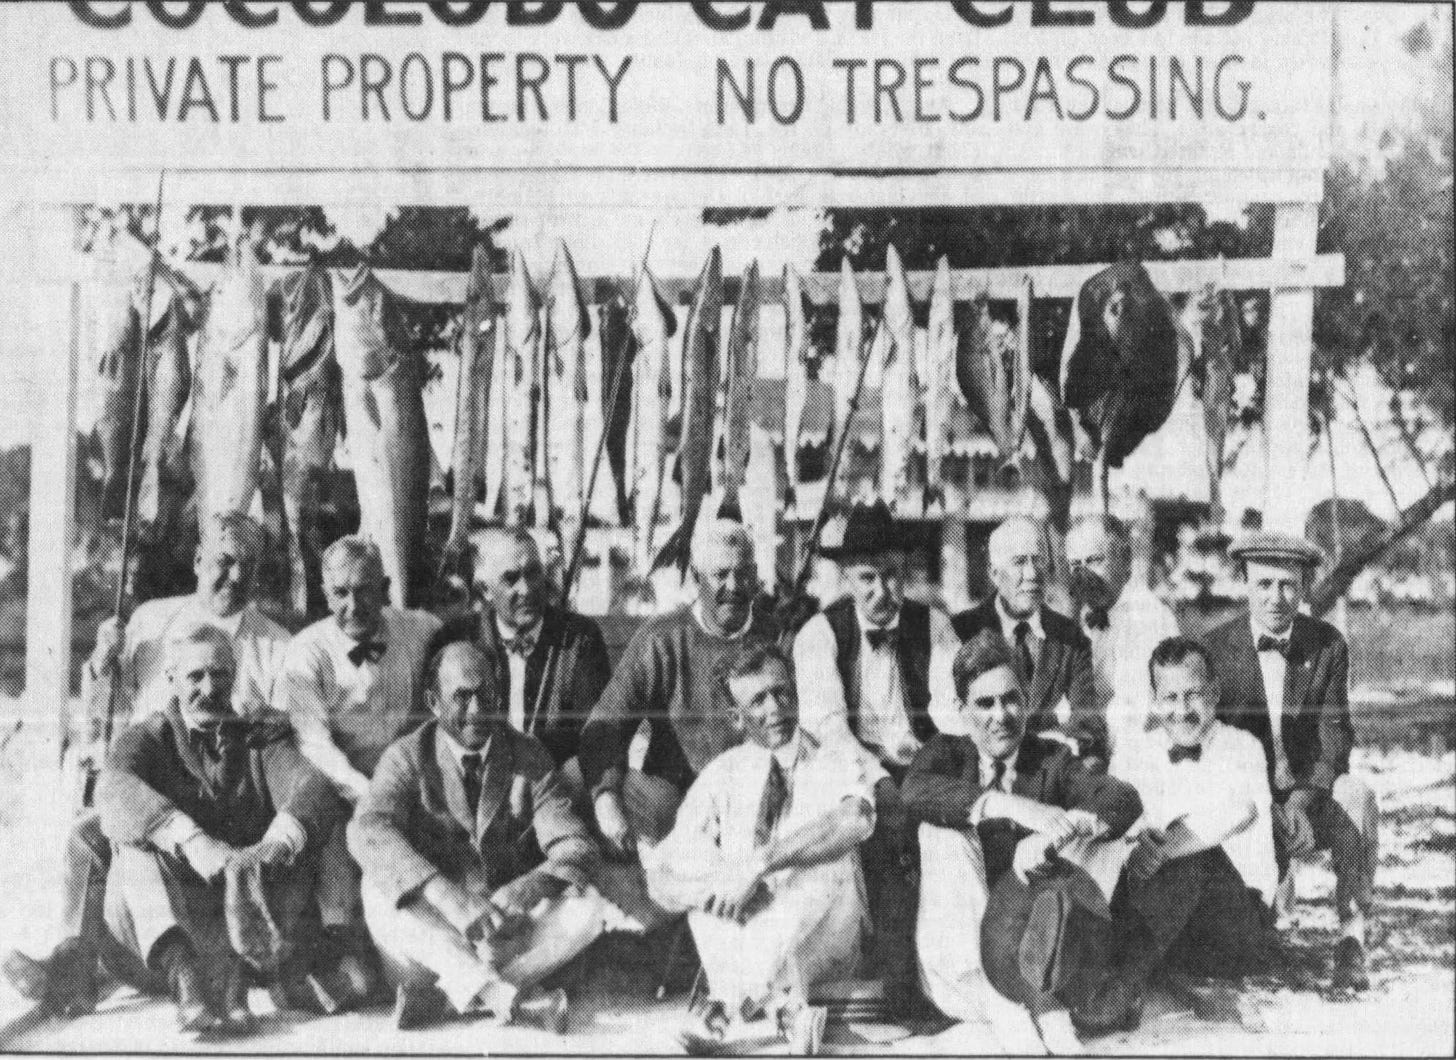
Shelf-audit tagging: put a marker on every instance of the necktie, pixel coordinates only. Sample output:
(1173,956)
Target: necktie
(1096,618)
(998,774)
(471,766)
(771,808)
(1268,643)
(1179,754)
(881,638)
(371,650)
(1023,647)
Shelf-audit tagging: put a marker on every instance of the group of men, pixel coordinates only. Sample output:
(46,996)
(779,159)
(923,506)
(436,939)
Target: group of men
(1012,814)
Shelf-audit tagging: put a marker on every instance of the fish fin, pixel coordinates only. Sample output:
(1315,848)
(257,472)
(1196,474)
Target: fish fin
(729,507)
(674,551)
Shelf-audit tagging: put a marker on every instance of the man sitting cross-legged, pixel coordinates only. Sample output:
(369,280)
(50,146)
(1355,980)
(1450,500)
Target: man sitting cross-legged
(217,822)
(1196,889)
(996,806)
(764,855)
(475,866)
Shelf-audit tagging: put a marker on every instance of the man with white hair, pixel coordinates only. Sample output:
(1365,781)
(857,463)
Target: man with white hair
(668,681)
(1053,657)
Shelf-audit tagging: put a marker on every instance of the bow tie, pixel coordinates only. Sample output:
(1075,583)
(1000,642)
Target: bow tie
(1268,643)
(372,650)
(522,645)
(882,638)
(1096,618)
(1178,754)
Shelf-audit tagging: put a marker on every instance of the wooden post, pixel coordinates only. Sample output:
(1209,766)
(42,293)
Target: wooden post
(1286,401)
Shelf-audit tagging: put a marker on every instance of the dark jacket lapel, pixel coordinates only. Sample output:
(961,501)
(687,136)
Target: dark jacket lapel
(545,656)
(442,788)
(495,783)
(1297,669)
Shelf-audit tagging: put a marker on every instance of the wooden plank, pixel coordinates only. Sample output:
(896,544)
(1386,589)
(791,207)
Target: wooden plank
(1291,337)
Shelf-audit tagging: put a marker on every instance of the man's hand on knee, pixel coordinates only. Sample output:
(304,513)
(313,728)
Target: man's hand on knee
(612,823)
(1292,823)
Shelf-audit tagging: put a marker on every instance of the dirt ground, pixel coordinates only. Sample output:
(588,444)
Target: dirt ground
(1409,1010)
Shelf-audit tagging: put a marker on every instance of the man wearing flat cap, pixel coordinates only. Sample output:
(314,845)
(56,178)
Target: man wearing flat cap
(1285,678)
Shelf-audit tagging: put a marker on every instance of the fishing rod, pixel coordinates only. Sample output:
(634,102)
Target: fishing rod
(128,516)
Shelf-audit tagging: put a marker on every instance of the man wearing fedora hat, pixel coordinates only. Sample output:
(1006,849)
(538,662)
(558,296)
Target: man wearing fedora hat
(1285,679)
(864,670)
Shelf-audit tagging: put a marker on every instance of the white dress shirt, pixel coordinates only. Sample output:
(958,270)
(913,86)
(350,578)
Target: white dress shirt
(884,722)
(1273,665)
(1209,795)
(258,647)
(1136,624)
(346,715)
(516,709)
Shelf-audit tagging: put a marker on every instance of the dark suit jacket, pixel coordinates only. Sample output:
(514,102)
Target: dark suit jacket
(153,770)
(1316,718)
(944,782)
(1063,668)
(413,824)
(571,655)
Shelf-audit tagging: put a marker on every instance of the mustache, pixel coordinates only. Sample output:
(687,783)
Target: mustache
(1087,586)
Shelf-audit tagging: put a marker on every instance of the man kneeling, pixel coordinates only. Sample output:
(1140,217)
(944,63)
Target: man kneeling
(764,856)
(475,866)
(218,822)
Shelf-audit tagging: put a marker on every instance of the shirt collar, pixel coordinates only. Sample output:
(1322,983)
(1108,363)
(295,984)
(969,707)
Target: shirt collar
(1009,623)
(788,754)
(866,626)
(345,642)
(231,625)
(1205,743)
(533,634)
(1259,631)
(697,610)
(458,751)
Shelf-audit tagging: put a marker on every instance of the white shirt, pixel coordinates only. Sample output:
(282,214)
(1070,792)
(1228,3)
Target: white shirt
(516,709)
(1136,624)
(258,646)
(884,723)
(346,715)
(1273,665)
(1211,794)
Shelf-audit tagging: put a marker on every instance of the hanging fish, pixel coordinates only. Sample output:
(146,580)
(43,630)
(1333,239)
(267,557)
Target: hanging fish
(652,328)
(994,369)
(1050,429)
(311,402)
(700,378)
(1221,339)
(384,420)
(472,394)
(900,388)
(231,386)
(848,343)
(740,370)
(940,390)
(169,381)
(568,327)
(115,321)
(618,351)
(522,360)
(797,351)
(496,397)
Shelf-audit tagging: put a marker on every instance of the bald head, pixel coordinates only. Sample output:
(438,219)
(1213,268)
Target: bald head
(1018,563)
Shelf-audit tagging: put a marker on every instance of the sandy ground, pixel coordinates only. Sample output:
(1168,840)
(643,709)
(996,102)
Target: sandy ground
(1409,1011)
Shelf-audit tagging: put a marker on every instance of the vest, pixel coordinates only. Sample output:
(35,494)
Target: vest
(912,647)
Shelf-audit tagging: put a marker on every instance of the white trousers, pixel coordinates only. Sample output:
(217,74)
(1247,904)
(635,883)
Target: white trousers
(953,895)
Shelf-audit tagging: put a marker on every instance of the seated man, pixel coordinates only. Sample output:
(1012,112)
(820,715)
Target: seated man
(764,854)
(217,822)
(1198,882)
(996,806)
(475,866)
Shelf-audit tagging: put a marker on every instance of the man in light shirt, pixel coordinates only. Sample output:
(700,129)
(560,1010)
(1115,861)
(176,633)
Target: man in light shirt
(351,683)
(1124,622)
(764,857)
(863,669)
(1285,677)
(1200,879)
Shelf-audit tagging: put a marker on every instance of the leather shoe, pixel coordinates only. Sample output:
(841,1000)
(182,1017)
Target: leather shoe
(1350,973)
(235,1017)
(28,975)
(188,988)
(418,1005)
(545,1010)
(1116,1005)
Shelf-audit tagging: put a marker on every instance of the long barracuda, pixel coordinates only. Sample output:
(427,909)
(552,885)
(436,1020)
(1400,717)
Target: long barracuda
(652,327)
(114,322)
(796,374)
(993,368)
(568,327)
(170,380)
(848,347)
(477,361)
(232,385)
(700,388)
(384,416)
(899,396)
(940,390)
(522,347)
(740,371)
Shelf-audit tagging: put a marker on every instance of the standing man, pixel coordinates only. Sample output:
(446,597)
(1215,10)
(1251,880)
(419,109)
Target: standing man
(472,891)
(352,685)
(1053,657)
(669,680)
(764,859)
(557,659)
(226,562)
(997,806)
(863,670)
(1285,678)
(218,823)
(1124,622)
